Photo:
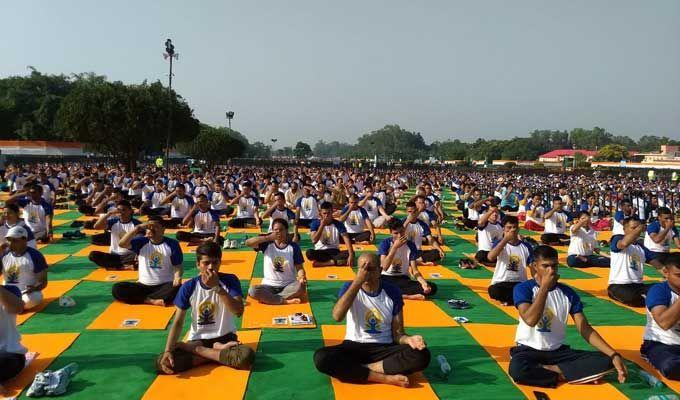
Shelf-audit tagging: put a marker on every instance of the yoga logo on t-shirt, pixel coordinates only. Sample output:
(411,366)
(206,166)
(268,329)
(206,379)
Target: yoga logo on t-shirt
(513,264)
(12,274)
(33,216)
(326,236)
(544,325)
(206,313)
(279,262)
(156,260)
(373,321)
(307,204)
(634,262)
(353,219)
(396,266)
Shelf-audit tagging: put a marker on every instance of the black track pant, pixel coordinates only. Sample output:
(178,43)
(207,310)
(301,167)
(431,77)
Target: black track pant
(390,208)
(409,286)
(502,291)
(482,257)
(148,210)
(364,236)
(347,361)
(241,222)
(554,238)
(326,255)
(10,365)
(664,357)
(630,294)
(136,293)
(526,365)
(101,239)
(239,356)
(110,260)
(430,255)
(171,223)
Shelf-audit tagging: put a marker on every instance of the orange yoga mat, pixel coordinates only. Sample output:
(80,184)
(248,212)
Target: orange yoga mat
(61,211)
(52,292)
(84,252)
(127,316)
(480,287)
(258,315)
(444,247)
(104,275)
(424,313)
(627,340)
(328,273)
(420,388)
(60,222)
(207,381)
(239,263)
(48,346)
(598,288)
(436,272)
(253,230)
(360,247)
(497,341)
(52,259)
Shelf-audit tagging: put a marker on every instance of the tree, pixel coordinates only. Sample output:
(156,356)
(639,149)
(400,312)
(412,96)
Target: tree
(302,150)
(392,142)
(590,139)
(612,152)
(214,145)
(124,120)
(259,150)
(652,143)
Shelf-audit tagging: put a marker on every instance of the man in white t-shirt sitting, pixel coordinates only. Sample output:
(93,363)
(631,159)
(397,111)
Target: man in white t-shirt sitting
(214,299)
(117,222)
(358,224)
(512,256)
(246,208)
(23,267)
(326,234)
(660,234)
(376,347)
(556,220)
(204,221)
(541,356)
(628,259)
(535,214)
(12,353)
(284,280)
(489,231)
(160,267)
(583,251)
(661,346)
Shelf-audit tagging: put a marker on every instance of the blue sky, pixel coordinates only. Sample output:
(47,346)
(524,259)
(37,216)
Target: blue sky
(310,70)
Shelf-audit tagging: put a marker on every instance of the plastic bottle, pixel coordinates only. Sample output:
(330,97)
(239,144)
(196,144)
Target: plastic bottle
(650,379)
(663,397)
(444,366)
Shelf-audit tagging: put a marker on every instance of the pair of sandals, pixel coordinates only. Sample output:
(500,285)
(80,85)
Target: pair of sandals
(466,263)
(458,304)
(73,235)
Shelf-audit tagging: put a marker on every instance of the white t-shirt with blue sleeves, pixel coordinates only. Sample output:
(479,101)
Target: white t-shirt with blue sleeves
(661,294)
(309,207)
(119,228)
(416,231)
(285,214)
(330,238)
(247,206)
(355,222)
(627,266)
(156,261)
(402,259)
(550,331)
(369,319)
(372,207)
(35,215)
(557,223)
(20,270)
(665,245)
(279,263)
(512,262)
(205,222)
(210,318)
(180,206)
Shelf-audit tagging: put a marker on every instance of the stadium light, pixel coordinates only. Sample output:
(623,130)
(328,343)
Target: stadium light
(169,54)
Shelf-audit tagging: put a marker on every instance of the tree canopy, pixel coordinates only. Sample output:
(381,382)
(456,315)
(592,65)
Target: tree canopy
(214,145)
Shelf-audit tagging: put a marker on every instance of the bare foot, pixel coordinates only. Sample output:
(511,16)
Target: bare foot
(155,302)
(413,296)
(293,301)
(397,380)
(220,346)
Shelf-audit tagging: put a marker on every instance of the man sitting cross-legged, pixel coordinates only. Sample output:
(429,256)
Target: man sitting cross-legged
(326,233)
(160,267)
(541,357)
(398,257)
(204,221)
(117,222)
(284,280)
(376,348)
(214,298)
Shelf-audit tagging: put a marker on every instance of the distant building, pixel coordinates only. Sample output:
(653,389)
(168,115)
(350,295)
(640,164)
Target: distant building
(668,153)
(40,148)
(558,156)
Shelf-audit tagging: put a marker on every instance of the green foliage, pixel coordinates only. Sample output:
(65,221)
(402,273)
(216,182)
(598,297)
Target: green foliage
(612,152)
(392,142)
(302,150)
(651,143)
(123,120)
(214,145)
(333,149)
(259,150)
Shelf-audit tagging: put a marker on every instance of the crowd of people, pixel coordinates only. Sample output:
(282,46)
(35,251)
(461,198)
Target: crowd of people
(341,208)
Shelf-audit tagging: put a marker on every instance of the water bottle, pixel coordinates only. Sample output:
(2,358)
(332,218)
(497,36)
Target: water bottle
(663,397)
(650,379)
(444,366)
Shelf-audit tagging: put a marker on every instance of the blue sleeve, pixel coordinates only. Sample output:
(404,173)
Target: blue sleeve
(182,300)
(314,226)
(137,244)
(190,201)
(344,288)
(22,202)
(523,293)
(570,216)
(363,213)
(618,216)
(576,306)
(530,258)
(47,207)
(658,295)
(426,229)
(298,202)
(340,227)
(344,210)
(39,263)
(654,227)
(262,247)
(649,255)
(12,289)
(111,222)
(297,255)
(231,284)
(384,247)
(136,222)
(256,201)
(613,245)
(290,214)
(176,255)
(395,294)
(413,253)
(215,216)
(378,203)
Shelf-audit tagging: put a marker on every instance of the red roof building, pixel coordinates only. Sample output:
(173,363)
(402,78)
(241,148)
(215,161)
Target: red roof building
(557,156)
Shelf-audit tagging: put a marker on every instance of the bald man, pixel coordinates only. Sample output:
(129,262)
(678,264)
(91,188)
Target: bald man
(376,348)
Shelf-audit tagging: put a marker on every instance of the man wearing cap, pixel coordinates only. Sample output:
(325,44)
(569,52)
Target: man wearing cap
(23,267)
